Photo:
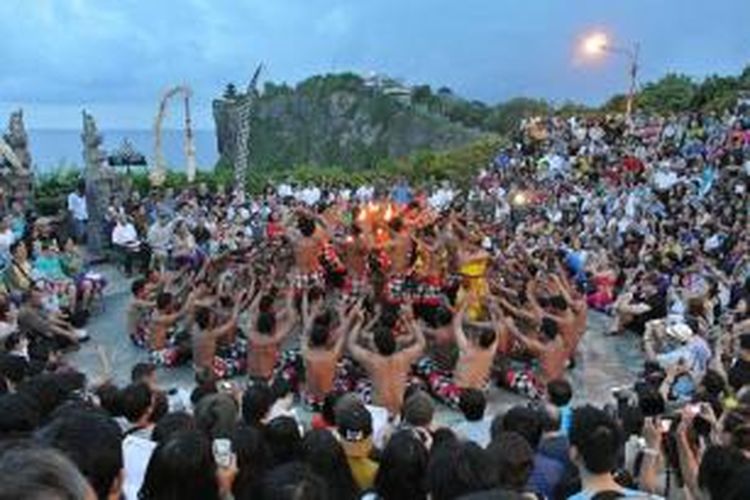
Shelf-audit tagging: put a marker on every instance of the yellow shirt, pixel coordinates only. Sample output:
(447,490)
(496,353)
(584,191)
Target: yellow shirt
(363,469)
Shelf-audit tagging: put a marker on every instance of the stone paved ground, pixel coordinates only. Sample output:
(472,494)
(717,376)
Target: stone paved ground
(602,362)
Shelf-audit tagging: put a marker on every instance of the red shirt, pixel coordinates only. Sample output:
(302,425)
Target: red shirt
(274,230)
(632,165)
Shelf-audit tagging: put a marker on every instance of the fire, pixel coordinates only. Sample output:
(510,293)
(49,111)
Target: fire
(388,214)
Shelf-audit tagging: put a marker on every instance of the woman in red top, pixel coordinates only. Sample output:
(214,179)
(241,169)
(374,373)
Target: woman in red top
(274,229)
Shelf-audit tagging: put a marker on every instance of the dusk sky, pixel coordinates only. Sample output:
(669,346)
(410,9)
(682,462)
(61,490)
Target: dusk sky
(115,57)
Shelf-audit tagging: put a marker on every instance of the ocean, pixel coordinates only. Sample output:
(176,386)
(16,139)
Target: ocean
(56,149)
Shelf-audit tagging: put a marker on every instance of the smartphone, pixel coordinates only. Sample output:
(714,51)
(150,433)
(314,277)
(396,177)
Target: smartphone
(222,450)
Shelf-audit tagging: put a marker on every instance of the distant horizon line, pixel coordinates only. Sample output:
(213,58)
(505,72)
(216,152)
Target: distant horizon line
(128,129)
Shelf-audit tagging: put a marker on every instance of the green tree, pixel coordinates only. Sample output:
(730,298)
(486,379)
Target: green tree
(505,117)
(422,94)
(744,79)
(672,94)
(572,108)
(716,93)
(615,104)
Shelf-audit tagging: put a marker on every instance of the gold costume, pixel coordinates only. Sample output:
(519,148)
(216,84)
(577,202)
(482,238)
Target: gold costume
(474,287)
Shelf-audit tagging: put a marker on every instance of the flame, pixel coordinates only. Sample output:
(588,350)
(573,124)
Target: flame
(388,214)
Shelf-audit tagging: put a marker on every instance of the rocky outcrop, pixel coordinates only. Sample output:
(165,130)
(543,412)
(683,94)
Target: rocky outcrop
(336,120)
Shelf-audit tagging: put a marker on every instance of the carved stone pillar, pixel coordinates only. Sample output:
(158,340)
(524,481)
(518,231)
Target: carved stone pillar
(99,178)
(18,178)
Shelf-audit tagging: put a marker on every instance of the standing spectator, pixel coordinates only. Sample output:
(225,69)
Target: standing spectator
(547,472)
(514,459)
(137,406)
(458,468)
(403,466)
(595,444)
(78,212)
(475,427)
(31,473)
(184,467)
(418,411)
(560,393)
(354,424)
(159,238)
(325,457)
(93,442)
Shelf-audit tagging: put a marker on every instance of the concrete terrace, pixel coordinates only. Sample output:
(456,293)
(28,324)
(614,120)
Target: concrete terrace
(602,363)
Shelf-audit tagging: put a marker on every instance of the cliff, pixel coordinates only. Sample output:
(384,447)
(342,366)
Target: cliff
(337,120)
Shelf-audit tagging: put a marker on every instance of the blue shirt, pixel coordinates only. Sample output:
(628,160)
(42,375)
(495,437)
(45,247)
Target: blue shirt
(401,195)
(585,495)
(566,419)
(545,476)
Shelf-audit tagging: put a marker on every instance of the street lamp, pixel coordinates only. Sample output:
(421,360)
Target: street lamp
(598,43)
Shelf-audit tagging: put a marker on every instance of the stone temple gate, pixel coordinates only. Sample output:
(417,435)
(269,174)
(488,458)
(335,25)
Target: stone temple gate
(16,176)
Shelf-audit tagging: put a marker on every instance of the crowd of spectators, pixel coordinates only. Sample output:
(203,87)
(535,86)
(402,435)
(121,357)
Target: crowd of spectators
(643,221)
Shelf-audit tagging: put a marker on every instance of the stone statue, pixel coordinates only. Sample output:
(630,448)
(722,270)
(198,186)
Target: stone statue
(99,182)
(14,149)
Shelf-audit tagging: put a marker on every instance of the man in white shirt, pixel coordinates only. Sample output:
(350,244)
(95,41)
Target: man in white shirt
(125,239)
(285,190)
(78,212)
(160,240)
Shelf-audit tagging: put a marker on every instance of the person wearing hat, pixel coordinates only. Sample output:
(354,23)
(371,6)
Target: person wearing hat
(680,345)
(739,373)
(354,430)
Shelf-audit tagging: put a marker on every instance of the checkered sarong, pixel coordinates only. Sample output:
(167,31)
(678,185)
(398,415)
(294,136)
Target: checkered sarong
(429,291)
(396,289)
(356,286)
(303,282)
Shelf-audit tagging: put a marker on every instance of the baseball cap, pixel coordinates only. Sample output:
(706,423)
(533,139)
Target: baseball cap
(353,420)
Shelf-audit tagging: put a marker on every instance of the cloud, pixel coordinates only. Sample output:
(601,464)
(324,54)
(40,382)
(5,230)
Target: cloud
(121,54)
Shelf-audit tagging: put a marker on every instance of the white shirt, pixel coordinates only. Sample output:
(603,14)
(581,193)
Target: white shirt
(159,237)
(365,193)
(77,206)
(136,453)
(664,180)
(124,234)
(6,240)
(441,199)
(478,431)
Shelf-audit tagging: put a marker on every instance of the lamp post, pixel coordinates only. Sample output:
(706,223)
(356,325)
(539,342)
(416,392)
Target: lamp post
(598,43)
